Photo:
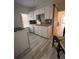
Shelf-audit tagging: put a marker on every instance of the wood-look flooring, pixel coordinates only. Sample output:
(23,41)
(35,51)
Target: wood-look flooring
(40,48)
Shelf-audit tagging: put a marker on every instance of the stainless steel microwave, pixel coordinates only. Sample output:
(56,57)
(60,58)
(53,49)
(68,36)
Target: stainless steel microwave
(32,21)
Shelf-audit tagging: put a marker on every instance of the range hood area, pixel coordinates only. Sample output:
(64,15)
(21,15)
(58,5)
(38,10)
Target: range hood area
(40,19)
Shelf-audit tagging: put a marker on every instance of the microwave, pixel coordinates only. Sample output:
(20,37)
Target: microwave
(32,21)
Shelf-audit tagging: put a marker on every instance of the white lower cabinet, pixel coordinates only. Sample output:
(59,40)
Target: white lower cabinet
(44,31)
(31,28)
(36,29)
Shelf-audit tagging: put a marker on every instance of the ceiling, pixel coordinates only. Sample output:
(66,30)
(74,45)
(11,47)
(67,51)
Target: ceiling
(35,3)
(60,4)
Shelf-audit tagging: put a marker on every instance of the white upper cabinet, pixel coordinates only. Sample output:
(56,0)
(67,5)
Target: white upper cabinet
(31,15)
(47,10)
(41,11)
(38,11)
(35,13)
(51,12)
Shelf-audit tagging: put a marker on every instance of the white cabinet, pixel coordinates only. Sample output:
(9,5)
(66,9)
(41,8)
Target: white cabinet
(51,12)
(41,11)
(38,11)
(31,28)
(44,31)
(36,29)
(46,11)
(35,13)
(31,15)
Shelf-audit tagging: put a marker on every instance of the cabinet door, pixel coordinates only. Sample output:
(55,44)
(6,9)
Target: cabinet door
(44,31)
(38,11)
(35,13)
(36,30)
(51,12)
(41,11)
(31,15)
(40,30)
(31,28)
(47,10)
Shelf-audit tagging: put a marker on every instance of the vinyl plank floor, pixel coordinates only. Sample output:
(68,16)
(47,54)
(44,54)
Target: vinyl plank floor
(36,42)
(40,48)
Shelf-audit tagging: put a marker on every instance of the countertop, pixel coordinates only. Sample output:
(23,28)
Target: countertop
(43,25)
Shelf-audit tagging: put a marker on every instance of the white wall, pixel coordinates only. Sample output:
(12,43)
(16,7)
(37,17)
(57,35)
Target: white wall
(17,20)
(18,9)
